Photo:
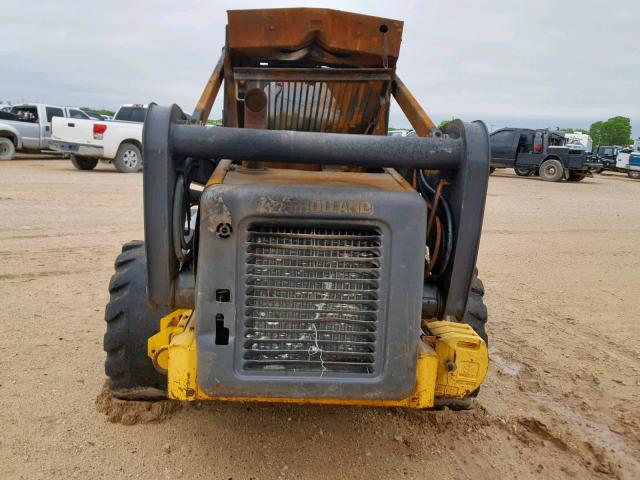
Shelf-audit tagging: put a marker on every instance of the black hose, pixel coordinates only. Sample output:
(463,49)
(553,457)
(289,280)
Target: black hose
(448,240)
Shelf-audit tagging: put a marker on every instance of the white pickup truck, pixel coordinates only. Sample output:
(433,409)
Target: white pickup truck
(117,141)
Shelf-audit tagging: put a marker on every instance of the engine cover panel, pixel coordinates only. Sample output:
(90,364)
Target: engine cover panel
(309,290)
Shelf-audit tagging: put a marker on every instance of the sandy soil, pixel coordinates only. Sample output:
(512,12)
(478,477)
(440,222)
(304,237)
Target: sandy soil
(561,265)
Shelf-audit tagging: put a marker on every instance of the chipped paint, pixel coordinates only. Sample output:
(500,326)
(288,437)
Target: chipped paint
(216,211)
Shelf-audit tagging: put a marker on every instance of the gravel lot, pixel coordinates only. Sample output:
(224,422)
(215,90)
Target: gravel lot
(561,265)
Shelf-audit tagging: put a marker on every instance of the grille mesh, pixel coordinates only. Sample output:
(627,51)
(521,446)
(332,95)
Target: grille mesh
(311,301)
(320,99)
(322,106)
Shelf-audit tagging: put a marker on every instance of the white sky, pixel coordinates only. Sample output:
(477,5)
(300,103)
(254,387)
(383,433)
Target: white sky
(563,63)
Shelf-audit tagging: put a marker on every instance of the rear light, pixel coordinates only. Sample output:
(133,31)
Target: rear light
(98,130)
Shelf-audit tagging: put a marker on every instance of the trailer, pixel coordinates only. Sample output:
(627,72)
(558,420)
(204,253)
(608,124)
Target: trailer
(539,153)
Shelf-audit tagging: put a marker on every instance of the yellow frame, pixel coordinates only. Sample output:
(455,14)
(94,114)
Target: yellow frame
(451,363)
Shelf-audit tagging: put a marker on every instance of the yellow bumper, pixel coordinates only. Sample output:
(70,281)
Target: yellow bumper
(452,363)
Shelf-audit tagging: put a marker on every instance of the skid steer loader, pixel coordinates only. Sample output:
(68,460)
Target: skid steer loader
(297,253)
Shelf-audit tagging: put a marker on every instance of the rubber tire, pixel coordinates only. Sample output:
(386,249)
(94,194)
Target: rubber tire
(597,170)
(84,163)
(576,177)
(130,322)
(476,314)
(634,174)
(522,171)
(7,148)
(546,175)
(119,161)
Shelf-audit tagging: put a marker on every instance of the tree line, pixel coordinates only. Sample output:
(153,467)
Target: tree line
(615,131)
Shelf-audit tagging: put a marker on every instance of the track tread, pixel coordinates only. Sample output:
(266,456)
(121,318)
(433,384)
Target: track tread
(476,314)
(133,244)
(130,322)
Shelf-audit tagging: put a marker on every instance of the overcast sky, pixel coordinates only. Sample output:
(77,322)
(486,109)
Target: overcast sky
(537,63)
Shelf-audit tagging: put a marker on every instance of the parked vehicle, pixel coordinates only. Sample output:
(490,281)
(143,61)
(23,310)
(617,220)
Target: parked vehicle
(95,115)
(579,141)
(88,141)
(606,155)
(27,127)
(133,112)
(628,162)
(84,113)
(634,165)
(538,152)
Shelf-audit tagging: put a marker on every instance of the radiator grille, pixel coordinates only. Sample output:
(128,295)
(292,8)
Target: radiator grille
(311,302)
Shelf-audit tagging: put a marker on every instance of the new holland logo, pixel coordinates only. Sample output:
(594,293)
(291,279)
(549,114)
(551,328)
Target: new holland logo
(298,206)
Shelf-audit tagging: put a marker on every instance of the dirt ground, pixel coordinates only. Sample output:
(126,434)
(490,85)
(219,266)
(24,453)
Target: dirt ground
(561,265)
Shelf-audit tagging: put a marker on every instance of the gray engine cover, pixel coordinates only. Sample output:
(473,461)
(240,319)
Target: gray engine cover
(399,216)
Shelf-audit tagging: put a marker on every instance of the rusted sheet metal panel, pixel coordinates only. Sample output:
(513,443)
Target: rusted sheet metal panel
(276,176)
(255,116)
(210,92)
(400,179)
(255,109)
(314,35)
(320,100)
(313,74)
(230,112)
(382,117)
(420,121)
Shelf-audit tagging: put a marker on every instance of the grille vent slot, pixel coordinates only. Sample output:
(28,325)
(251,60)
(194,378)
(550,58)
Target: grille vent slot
(311,302)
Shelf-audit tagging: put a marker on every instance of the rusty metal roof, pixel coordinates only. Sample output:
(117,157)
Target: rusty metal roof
(312,37)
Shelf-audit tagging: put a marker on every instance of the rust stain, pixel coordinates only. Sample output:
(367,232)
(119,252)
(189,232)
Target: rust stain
(285,54)
(285,33)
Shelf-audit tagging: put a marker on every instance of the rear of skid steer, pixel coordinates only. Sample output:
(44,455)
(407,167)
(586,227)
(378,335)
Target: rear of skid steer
(297,254)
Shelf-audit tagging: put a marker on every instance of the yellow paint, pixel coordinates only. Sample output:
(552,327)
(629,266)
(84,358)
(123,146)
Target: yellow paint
(171,325)
(463,358)
(450,341)
(217,177)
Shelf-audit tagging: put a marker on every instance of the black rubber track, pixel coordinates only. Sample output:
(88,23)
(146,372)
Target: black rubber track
(130,322)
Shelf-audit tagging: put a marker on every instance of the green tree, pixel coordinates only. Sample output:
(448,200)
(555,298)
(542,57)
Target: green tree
(595,132)
(615,131)
(443,123)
